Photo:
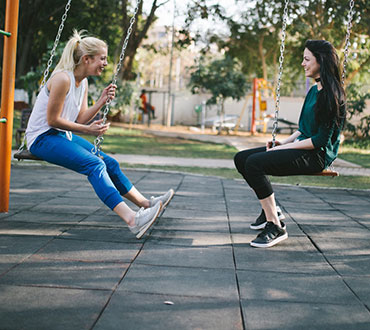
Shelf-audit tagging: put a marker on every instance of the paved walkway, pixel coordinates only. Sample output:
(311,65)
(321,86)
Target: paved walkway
(67,262)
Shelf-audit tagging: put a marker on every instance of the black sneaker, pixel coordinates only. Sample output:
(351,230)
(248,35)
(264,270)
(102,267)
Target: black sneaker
(270,236)
(261,221)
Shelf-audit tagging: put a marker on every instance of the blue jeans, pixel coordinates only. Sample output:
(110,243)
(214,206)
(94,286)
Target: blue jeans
(104,174)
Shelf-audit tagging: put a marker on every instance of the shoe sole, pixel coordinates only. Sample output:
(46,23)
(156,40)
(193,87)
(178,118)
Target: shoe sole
(274,242)
(263,225)
(169,199)
(149,224)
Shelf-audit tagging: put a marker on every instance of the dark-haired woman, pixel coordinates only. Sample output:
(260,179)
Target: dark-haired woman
(309,150)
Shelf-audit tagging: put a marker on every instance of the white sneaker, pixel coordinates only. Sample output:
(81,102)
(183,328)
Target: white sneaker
(165,199)
(144,219)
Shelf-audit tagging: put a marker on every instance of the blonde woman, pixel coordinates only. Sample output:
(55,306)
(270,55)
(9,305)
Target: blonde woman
(61,108)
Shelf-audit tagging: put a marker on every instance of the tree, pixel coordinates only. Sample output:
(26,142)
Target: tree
(327,19)
(38,25)
(254,34)
(140,30)
(222,78)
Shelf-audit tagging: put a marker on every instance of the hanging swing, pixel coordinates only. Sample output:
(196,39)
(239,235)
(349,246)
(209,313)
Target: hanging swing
(330,171)
(23,153)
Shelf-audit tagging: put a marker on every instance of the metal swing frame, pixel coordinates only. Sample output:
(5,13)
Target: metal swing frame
(327,172)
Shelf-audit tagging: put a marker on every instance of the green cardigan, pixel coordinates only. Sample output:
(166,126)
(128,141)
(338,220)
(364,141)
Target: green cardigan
(325,136)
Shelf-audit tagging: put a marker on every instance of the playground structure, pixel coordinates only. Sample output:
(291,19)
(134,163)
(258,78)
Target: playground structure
(262,89)
(7,98)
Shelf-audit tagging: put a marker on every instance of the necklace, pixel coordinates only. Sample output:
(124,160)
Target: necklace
(317,79)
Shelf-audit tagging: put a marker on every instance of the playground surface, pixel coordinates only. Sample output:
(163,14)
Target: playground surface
(68,262)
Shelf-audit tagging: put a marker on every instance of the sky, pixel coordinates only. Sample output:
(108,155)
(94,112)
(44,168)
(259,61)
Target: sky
(165,12)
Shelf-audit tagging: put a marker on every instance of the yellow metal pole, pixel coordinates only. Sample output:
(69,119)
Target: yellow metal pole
(7,100)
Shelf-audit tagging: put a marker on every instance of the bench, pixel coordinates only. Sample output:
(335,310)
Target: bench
(288,125)
(228,123)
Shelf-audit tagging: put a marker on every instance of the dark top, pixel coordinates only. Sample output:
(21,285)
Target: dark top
(325,136)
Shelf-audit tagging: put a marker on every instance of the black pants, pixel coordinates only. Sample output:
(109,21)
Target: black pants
(255,164)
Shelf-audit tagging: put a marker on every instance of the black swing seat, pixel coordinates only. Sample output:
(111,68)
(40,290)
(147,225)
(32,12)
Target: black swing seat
(25,154)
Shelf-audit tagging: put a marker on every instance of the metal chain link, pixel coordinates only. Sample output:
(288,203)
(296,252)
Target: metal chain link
(347,42)
(281,61)
(56,42)
(50,61)
(99,140)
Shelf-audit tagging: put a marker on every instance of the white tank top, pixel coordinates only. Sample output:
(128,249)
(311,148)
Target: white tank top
(38,124)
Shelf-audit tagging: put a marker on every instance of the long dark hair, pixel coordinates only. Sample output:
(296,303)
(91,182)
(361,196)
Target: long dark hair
(330,104)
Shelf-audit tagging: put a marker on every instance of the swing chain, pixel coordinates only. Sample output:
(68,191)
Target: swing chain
(56,42)
(347,42)
(281,61)
(98,141)
(50,61)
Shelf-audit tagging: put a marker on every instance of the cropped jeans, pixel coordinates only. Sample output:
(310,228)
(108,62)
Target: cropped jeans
(104,174)
(255,164)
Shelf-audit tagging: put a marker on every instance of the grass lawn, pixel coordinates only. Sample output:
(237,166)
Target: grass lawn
(355,152)
(135,142)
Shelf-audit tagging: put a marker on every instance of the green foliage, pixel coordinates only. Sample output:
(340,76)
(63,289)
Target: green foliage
(221,77)
(124,94)
(254,35)
(107,19)
(356,104)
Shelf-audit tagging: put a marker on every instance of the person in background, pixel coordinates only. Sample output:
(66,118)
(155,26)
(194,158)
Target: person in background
(145,106)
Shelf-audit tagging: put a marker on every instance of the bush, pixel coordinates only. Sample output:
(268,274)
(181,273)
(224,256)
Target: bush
(356,104)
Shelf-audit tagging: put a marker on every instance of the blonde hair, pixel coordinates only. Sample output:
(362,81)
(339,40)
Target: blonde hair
(77,46)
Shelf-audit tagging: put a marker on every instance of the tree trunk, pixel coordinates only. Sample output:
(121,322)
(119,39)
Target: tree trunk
(263,57)
(135,39)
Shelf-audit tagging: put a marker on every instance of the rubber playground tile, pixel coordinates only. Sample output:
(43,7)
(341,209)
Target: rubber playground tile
(66,208)
(214,226)
(31,228)
(132,311)
(195,214)
(46,217)
(35,308)
(103,234)
(360,285)
(324,217)
(15,249)
(197,205)
(294,287)
(300,262)
(342,246)
(198,257)
(351,265)
(85,250)
(106,218)
(189,238)
(65,274)
(261,315)
(180,281)
(355,231)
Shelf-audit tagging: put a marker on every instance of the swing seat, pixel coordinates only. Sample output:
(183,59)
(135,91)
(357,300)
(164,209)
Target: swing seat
(327,172)
(25,154)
